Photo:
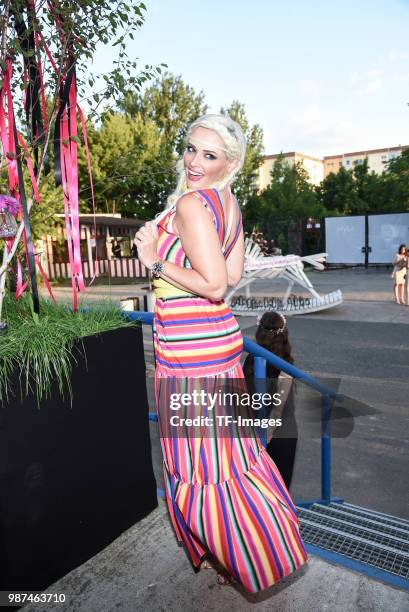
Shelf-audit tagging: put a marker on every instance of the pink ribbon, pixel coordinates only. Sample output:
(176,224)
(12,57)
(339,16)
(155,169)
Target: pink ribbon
(7,135)
(30,169)
(84,133)
(8,144)
(69,176)
(20,286)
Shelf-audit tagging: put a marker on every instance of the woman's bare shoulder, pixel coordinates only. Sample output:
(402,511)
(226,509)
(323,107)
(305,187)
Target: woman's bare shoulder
(186,201)
(194,201)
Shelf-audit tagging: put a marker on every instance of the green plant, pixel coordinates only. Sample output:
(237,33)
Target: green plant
(60,281)
(42,349)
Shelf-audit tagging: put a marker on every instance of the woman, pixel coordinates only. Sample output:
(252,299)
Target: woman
(272,334)
(399,273)
(226,499)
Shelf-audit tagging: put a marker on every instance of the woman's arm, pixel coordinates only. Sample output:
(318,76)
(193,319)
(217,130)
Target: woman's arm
(200,242)
(399,261)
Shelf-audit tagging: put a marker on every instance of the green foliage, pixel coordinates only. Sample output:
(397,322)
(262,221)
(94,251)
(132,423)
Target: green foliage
(399,166)
(42,216)
(366,188)
(396,183)
(130,165)
(70,31)
(171,104)
(358,191)
(42,349)
(84,25)
(337,192)
(246,181)
(289,197)
(134,151)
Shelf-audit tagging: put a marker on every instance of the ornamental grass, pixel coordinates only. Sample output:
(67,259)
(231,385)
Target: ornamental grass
(42,349)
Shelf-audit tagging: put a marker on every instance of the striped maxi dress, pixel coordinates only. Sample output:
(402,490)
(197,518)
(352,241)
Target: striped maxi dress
(225,495)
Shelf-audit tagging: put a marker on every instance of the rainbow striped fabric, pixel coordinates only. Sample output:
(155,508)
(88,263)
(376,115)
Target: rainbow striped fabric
(193,335)
(225,495)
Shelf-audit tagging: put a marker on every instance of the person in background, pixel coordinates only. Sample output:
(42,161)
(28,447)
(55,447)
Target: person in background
(272,334)
(400,269)
(116,249)
(274,250)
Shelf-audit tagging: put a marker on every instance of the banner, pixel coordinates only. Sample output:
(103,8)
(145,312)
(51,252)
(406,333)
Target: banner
(386,233)
(344,239)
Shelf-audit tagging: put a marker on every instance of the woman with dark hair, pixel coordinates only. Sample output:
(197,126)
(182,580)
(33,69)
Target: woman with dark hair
(272,334)
(400,269)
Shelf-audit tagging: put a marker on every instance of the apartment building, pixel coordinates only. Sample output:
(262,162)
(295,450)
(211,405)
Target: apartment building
(318,168)
(313,165)
(377,159)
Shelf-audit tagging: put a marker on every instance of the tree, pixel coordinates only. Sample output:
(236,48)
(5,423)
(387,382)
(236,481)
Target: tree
(163,112)
(45,50)
(359,192)
(337,192)
(396,183)
(246,181)
(399,166)
(279,210)
(289,196)
(367,186)
(131,167)
(170,104)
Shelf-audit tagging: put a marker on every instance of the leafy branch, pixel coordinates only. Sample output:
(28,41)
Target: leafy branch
(54,36)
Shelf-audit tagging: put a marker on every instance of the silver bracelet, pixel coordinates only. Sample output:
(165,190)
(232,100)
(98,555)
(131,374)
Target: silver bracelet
(157,268)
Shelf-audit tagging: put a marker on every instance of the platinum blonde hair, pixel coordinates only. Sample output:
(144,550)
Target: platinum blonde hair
(235,149)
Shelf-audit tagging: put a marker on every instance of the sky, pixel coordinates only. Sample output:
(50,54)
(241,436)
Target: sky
(320,78)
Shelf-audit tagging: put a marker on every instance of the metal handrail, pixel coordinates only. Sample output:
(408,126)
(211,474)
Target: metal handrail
(262,357)
(258,351)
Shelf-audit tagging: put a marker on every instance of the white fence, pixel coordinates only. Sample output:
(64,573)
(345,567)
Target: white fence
(118,268)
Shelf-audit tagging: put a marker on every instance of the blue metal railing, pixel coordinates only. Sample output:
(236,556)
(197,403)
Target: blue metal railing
(261,357)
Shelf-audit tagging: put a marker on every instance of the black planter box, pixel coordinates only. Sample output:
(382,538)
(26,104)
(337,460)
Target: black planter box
(74,476)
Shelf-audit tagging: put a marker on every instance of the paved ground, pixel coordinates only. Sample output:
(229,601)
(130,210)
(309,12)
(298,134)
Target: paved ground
(367,293)
(144,570)
(362,346)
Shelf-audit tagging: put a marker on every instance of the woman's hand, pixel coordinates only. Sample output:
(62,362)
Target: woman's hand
(146,240)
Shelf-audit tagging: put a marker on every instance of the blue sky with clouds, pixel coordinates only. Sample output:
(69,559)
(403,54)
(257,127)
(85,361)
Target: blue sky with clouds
(319,77)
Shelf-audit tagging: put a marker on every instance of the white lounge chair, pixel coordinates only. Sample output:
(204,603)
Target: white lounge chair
(290,267)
